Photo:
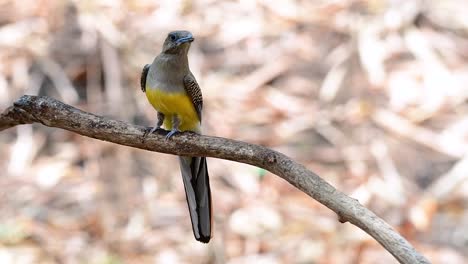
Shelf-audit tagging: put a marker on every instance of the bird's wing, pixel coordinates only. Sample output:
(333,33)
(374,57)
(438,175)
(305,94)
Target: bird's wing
(194,92)
(144,73)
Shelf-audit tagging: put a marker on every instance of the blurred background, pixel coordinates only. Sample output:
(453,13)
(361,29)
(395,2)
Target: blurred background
(371,95)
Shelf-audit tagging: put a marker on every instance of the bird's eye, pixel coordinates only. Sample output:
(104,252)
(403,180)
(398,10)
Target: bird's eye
(172,37)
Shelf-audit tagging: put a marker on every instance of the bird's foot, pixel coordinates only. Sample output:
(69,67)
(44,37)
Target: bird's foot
(172,133)
(151,131)
(154,129)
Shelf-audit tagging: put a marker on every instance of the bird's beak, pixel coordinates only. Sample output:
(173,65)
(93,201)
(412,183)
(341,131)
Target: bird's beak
(180,41)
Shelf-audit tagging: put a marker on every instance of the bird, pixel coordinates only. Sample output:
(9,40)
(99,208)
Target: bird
(173,91)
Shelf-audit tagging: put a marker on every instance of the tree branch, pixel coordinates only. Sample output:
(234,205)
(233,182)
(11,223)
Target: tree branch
(53,113)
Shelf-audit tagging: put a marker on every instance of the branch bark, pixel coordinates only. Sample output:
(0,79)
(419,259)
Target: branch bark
(53,113)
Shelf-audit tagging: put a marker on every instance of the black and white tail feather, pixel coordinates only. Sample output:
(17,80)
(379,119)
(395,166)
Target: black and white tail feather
(198,193)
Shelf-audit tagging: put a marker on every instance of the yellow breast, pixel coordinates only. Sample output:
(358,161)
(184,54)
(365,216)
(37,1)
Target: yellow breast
(171,104)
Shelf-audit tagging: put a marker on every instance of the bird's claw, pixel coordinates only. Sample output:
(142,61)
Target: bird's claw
(171,133)
(154,129)
(150,131)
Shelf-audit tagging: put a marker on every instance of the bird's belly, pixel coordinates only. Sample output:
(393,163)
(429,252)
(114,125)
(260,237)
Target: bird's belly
(171,104)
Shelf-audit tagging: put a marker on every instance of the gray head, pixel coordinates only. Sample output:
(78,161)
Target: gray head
(177,42)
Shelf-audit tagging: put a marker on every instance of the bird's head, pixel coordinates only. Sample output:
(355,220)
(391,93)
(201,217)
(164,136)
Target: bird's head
(177,42)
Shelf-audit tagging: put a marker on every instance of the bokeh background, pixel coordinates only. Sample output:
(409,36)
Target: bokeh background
(371,95)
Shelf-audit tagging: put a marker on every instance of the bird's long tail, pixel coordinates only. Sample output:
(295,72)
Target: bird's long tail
(197,190)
